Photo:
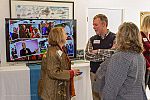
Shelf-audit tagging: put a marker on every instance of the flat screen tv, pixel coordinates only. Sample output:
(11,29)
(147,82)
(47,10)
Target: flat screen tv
(33,33)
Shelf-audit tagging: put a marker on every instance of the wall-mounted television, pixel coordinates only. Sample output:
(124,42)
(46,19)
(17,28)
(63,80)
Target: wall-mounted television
(33,33)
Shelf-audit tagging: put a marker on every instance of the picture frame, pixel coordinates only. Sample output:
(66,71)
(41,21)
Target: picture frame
(80,54)
(142,15)
(41,9)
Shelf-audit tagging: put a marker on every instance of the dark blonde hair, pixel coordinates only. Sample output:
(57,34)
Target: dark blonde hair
(129,38)
(56,36)
(145,27)
(102,17)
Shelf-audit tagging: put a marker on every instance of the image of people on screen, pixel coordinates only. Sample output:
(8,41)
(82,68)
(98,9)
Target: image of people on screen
(43,45)
(29,31)
(22,31)
(26,51)
(70,48)
(14,53)
(67,28)
(15,33)
(46,27)
(36,33)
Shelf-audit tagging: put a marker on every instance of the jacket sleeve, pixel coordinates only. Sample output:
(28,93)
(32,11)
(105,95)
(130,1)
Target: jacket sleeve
(54,68)
(147,63)
(88,55)
(147,51)
(115,76)
(99,82)
(146,45)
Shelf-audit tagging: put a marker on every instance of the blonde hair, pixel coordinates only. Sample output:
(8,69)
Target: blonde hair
(145,27)
(102,17)
(56,36)
(129,38)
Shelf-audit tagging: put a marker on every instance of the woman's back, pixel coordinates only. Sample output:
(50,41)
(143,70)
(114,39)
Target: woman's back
(125,77)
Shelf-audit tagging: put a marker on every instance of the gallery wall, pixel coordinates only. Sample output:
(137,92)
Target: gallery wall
(131,8)
(4,13)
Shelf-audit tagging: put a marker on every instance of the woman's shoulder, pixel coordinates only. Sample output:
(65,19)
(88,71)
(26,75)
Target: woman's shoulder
(53,50)
(127,55)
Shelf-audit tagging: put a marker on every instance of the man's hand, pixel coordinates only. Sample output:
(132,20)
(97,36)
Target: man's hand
(94,51)
(114,46)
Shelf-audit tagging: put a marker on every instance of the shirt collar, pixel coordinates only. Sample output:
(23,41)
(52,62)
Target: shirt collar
(103,37)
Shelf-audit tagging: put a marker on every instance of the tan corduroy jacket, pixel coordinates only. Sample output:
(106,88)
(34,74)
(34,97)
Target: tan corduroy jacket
(55,76)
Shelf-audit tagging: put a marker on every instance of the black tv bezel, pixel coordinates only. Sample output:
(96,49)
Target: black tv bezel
(7,38)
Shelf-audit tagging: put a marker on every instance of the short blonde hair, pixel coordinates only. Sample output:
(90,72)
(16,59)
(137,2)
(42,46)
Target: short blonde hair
(145,27)
(56,36)
(129,38)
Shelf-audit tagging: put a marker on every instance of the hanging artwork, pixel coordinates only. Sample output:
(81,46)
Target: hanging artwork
(80,54)
(142,15)
(41,9)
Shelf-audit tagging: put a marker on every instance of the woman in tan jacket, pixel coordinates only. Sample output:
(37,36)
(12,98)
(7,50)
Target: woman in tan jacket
(56,81)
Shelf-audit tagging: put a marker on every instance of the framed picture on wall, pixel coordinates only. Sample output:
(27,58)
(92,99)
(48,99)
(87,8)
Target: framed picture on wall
(142,15)
(80,54)
(41,9)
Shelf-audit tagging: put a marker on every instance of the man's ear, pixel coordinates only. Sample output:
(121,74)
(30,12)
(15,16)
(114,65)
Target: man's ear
(103,24)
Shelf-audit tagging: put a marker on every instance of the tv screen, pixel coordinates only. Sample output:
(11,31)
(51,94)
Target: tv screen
(33,34)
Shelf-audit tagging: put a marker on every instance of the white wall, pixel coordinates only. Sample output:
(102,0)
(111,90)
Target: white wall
(81,16)
(131,8)
(4,13)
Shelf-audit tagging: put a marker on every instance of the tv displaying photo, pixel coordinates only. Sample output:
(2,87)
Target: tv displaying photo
(27,39)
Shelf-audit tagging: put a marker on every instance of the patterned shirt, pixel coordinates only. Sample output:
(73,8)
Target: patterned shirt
(100,56)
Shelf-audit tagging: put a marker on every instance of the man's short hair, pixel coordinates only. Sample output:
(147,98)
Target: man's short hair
(102,17)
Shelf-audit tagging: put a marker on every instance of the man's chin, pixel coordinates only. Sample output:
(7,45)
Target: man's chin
(96,32)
